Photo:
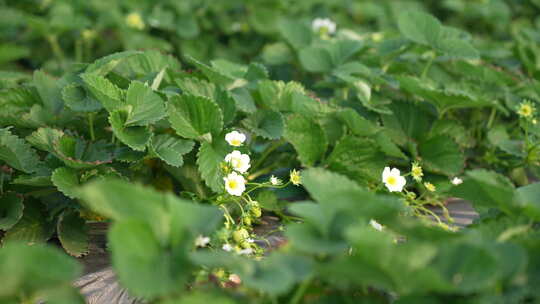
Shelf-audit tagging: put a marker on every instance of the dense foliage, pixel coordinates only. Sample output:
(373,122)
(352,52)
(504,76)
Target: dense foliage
(346,134)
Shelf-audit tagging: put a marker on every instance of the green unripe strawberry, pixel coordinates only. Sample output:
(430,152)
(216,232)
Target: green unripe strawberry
(240,235)
(255,210)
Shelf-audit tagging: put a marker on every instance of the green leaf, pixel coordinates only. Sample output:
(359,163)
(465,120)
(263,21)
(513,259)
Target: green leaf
(476,266)
(150,62)
(187,26)
(278,95)
(486,189)
(408,124)
(499,137)
(441,155)
(307,137)
(209,159)
(197,87)
(135,137)
(121,200)
(32,228)
(214,75)
(387,146)
(78,154)
(49,280)
(302,104)
(244,101)
(296,33)
(11,209)
(458,48)
(425,29)
(143,265)
(107,93)
(144,106)
(268,201)
(170,149)
(33,180)
(356,123)
(229,68)
(49,91)
(12,52)
(316,59)
(529,198)
(45,138)
(443,98)
(16,105)
(227,104)
(358,158)
(77,99)
(198,297)
(194,116)
(420,27)
(104,65)
(342,50)
(265,123)
(66,180)
(73,233)
(329,55)
(17,153)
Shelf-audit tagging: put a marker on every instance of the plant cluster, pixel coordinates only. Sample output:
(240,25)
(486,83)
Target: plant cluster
(348,137)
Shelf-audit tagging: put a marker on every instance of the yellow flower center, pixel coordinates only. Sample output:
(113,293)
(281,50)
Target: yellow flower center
(134,20)
(235,162)
(235,142)
(417,172)
(525,110)
(232,184)
(391,180)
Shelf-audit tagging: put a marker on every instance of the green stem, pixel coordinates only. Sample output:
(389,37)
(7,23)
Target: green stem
(57,50)
(266,153)
(299,294)
(261,172)
(428,65)
(527,138)
(491,118)
(91,125)
(1,182)
(78,51)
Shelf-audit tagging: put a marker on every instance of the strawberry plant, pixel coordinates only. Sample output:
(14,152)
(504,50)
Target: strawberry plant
(349,132)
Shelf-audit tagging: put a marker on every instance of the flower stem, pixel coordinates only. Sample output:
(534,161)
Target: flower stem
(91,125)
(428,65)
(300,291)
(1,182)
(266,153)
(57,50)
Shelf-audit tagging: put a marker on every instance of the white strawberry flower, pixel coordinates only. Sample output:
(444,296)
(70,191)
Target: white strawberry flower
(235,279)
(235,138)
(246,251)
(202,241)
(239,161)
(323,25)
(275,181)
(235,184)
(227,247)
(393,180)
(375,225)
(457,181)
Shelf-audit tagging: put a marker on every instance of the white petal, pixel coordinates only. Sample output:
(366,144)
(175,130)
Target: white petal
(385,173)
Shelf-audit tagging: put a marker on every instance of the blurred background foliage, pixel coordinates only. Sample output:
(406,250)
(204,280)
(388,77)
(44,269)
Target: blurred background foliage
(52,33)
